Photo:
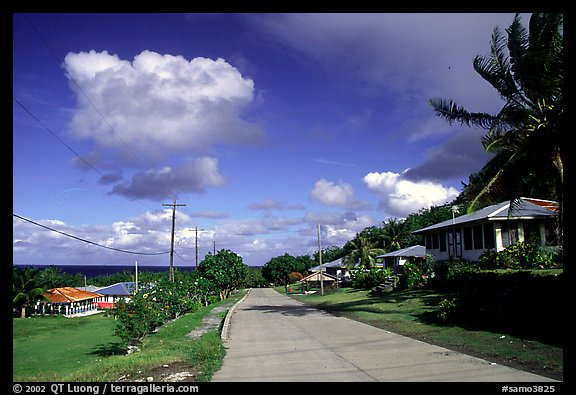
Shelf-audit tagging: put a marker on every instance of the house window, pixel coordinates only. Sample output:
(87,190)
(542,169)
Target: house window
(477,231)
(443,241)
(435,240)
(467,238)
(531,232)
(489,236)
(550,231)
(428,241)
(509,233)
(454,243)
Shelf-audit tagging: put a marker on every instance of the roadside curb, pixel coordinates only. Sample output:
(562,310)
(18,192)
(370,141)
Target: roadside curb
(226,324)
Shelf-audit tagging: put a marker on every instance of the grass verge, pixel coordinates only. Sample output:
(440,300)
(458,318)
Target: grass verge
(411,313)
(84,349)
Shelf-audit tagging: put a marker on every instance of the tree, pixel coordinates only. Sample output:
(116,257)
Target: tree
(278,269)
(363,251)
(226,270)
(25,288)
(527,136)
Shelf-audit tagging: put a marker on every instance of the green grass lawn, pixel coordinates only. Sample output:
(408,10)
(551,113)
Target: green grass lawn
(85,348)
(412,313)
(49,347)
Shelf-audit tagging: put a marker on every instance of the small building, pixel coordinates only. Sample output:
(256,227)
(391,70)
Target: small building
(337,268)
(317,278)
(113,293)
(396,259)
(68,301)
(492,228)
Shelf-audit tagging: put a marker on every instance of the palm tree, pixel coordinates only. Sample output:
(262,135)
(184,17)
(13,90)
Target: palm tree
(25,288)
(527,135)
(363,251)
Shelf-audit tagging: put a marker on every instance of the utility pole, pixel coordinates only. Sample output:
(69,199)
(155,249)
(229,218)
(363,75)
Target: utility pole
(136,276)
(197,245)
(320,259)
(173,205)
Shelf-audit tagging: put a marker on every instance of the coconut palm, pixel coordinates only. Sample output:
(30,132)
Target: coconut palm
(25,288)
(526,137)
(362,251)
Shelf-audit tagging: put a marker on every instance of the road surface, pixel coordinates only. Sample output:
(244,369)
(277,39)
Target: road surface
(272,337)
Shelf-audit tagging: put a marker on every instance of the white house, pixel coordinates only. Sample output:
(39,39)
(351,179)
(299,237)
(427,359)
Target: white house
(494,227)
(396,259)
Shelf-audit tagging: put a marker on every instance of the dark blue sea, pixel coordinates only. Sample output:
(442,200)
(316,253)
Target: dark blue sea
(93,271)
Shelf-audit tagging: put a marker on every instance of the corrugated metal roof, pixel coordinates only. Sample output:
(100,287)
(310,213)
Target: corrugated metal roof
(124,289)
(527,208)
(412,251)
(69,294)
(316,277)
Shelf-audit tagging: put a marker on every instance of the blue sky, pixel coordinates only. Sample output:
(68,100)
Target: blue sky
(263,125)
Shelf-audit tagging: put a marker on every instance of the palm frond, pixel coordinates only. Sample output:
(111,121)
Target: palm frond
(449,110)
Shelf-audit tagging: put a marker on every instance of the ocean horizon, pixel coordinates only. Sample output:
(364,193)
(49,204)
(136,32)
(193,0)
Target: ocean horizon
(102,270)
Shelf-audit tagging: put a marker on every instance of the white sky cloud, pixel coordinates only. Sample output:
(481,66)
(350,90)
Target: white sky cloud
(333,194)
(159,104)
(401,196)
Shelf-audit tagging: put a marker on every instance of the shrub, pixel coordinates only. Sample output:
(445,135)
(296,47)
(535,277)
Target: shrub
(452,273)
(446,308)
(368,278)
(152,306)
(413,275)
(294,277)
(521,255)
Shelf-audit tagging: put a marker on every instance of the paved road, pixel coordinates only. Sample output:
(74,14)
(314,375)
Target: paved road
(272,337)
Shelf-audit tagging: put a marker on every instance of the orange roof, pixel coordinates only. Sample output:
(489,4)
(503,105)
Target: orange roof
(69,294)
(549,204)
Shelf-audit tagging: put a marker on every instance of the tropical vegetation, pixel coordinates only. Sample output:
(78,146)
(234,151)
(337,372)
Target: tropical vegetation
(527,137)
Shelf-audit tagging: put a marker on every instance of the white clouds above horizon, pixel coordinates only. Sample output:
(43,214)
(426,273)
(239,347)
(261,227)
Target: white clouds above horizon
(256,239)
(401,197)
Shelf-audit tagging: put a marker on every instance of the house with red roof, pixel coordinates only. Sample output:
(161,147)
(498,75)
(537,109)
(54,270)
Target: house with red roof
(68,301)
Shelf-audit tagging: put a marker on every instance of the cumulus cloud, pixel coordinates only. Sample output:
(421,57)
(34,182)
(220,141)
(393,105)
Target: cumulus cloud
(401,196)
(194,175)
(336,194)
(159,104)
(141,113)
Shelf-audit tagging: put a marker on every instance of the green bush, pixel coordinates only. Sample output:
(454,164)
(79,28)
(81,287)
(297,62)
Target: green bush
(369,278)
(413,275)
(446,309)
(522,255)
(450,274)
(153,305)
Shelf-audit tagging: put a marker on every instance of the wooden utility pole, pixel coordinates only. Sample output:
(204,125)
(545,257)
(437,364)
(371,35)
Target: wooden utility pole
(173,205)
(320,259)
(197,245)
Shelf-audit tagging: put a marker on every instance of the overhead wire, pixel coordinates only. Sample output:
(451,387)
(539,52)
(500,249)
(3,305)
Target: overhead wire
(88,241)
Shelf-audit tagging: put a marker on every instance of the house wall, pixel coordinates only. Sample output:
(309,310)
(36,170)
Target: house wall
(469,242)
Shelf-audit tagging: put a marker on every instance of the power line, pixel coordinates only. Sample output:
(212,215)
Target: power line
(92,104)
(56,136)
(88,241)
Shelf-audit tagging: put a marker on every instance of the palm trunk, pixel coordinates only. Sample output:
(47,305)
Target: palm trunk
(558,162)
